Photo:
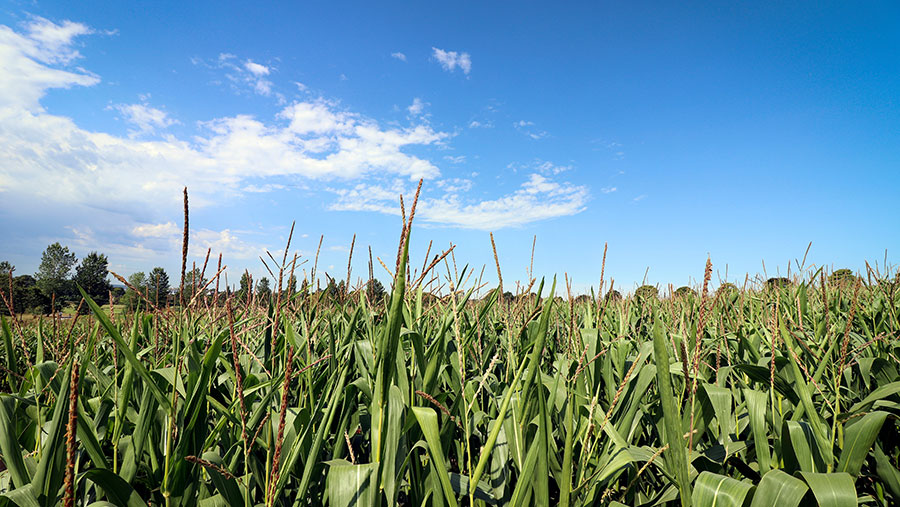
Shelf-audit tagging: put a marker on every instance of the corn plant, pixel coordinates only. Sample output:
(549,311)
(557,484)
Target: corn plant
(787,395)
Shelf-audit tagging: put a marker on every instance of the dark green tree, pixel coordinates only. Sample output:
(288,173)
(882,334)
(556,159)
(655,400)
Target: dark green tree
(263,289)
(52,276)
(91,276)
(5,269)
(646,292)
(193,283)
(841,276)
(132,299)
(374,291)
(726,289)
(777,282)
(684,292)
(291,285)
(158,285)
(246,281)
(26,297)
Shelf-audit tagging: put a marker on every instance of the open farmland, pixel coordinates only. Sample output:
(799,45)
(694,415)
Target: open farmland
(784,393)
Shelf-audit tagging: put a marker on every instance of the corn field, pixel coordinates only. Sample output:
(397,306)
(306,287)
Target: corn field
(768,396)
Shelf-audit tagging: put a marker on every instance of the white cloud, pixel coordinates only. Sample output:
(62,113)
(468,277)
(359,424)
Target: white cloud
(400,56)
(540,166)
(225,242)
(164,230)
(244,75)
(262,189)
(417,108)
(640,197)
(526,128)
(608,190)
(450,60)
(148,244)
(48,156)
(550,168)
(539,198)
(145,119)
(475,124)
(51,42)
(454,185)
(256,69)
(458,159)
(24,58)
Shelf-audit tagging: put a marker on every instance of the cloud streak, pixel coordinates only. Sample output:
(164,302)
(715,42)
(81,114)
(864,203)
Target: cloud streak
(538,198)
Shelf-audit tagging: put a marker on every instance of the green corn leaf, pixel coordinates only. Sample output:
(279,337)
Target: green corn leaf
(887,472)
(428,423)
(117,490)
(720,491)
(48,477)
(779,488)
(674,438)
(798,448)
(350,485)
(757,404)
(858,439)
(9,445)
(127,352)
(11,363)
(831,489)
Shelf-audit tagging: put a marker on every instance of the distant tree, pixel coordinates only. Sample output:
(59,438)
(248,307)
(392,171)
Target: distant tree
(26,297)
(117,293)
(158,285)
(91,276)
(132,299)
(263,290)
(726,289)
(291,285)
(646,292)
(583,298)
(5,269)
(685,291)
(613,295)
(52,276)
(193,282)
(841,276)
(777,282)
(243,292)
(374,290)
(334,292)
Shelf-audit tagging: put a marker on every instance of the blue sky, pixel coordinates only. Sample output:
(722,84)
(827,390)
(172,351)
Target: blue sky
(670,132)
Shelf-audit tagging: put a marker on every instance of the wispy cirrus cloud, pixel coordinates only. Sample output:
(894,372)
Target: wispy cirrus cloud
(399,56)
(144,118)
(528,128)
(244,75)
(538,198)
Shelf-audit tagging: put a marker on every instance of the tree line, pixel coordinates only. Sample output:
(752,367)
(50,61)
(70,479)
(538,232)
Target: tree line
(54,285)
